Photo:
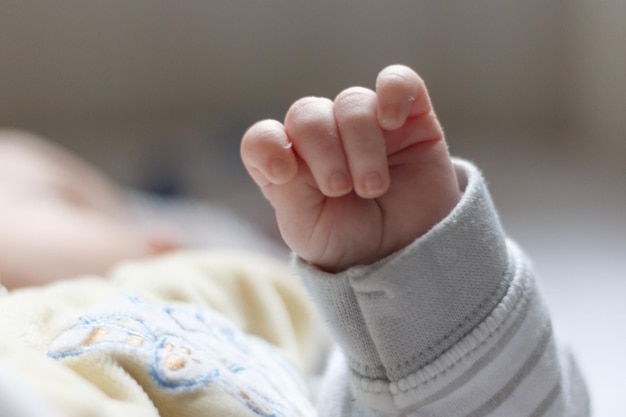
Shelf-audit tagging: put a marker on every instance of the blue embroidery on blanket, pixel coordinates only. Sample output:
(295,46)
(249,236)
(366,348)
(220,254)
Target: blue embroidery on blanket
(185,348)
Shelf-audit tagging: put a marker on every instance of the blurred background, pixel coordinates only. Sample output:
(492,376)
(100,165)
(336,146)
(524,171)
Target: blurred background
(158,93)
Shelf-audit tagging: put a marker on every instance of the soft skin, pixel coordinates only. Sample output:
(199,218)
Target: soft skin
(357,178)
(60,217)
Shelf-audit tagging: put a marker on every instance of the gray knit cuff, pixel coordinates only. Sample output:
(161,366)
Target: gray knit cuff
(399,314)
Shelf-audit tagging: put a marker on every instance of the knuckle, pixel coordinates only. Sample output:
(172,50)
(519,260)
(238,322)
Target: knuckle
(400,72)
(259,139)
(305,103)
(395,79)
(309,117)
(264,131)
(355,105)
(354,96)
(399,77)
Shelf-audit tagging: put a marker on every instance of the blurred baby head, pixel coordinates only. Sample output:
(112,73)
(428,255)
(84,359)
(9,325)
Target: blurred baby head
(60,217)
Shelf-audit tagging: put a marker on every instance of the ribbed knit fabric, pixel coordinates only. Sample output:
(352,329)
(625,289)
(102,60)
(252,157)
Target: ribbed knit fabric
(452,325)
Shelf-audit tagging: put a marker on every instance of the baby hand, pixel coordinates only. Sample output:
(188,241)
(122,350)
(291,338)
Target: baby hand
(355,179)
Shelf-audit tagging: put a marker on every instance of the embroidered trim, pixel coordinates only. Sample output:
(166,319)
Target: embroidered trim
(186,348)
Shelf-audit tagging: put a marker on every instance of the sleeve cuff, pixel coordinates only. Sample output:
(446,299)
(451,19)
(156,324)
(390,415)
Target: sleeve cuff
(393,317)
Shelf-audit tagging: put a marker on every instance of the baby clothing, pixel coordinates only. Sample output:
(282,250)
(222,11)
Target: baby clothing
(211,334)
(452,325)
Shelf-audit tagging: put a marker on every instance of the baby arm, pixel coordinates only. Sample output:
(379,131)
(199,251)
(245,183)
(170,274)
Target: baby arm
(434,310)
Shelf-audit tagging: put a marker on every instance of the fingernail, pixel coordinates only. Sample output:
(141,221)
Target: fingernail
(374,184)
(278,170)
(391,118)
(339,182)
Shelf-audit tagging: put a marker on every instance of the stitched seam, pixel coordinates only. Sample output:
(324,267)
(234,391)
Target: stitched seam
(369,385)
(360,369)
(498,294)
(468,319)
(517,306)
(374,385)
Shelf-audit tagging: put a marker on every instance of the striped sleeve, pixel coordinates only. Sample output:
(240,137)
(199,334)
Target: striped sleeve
(452,325)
